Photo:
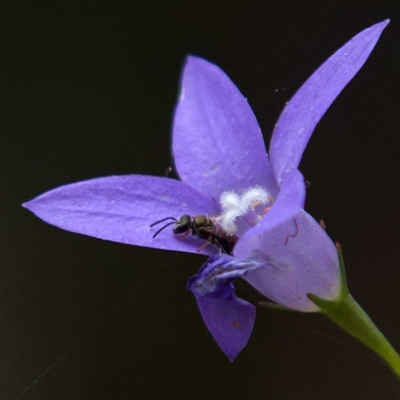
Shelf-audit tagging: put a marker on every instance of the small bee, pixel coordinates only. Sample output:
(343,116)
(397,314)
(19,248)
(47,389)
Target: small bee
(204,228)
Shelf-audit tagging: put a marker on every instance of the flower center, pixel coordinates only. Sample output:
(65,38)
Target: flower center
(241,212)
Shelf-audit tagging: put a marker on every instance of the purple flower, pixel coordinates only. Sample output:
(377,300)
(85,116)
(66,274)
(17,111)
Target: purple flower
(253,204)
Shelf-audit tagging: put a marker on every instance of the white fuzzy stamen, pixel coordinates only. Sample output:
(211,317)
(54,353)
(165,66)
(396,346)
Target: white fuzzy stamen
(254,196)
(229,201)
(235,206)
(228,221)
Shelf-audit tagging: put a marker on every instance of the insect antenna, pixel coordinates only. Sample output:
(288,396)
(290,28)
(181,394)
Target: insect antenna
(162,220)
(170,223)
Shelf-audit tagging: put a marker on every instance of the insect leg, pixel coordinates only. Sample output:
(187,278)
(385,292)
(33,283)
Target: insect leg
(208,242)
(217,243)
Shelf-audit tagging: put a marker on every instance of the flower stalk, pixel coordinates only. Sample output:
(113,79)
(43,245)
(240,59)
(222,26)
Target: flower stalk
(348,314)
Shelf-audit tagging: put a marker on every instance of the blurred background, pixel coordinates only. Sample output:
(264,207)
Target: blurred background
(88,90)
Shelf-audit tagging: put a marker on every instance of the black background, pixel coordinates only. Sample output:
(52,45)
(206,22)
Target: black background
(88,90)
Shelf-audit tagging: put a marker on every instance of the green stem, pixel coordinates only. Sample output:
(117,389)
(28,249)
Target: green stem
(348,314)
(352,318)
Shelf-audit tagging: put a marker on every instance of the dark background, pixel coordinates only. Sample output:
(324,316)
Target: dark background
(88,90)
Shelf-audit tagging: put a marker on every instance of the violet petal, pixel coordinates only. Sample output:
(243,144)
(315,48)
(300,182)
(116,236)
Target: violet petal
(309,104)
(216,276)
(303,257)
(122,208)
(230,322)
(217,143)
(229,319)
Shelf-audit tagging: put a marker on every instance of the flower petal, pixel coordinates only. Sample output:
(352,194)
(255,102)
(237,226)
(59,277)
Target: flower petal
(122,208)
(301,256)
(309,104)
(229,319)
(216,276)
(217,143)
(230,322)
